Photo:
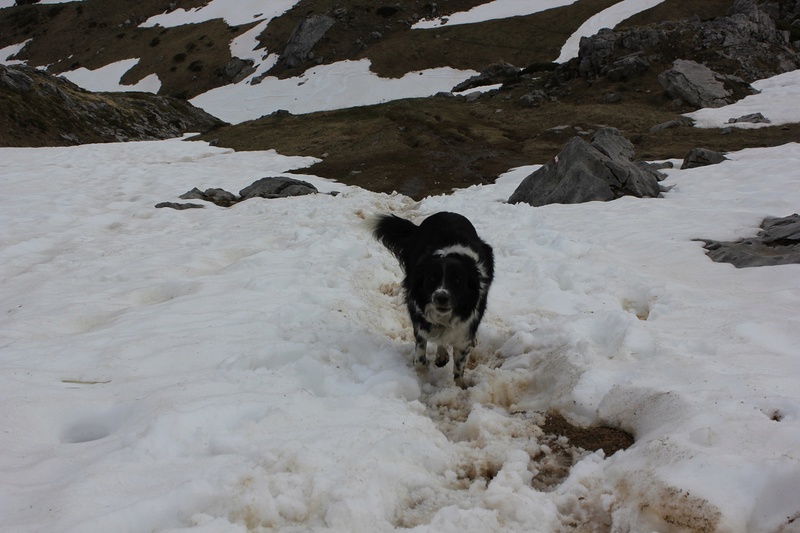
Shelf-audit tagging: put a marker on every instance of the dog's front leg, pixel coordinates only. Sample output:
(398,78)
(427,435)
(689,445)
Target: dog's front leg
(442,356)
(460,357)
(420,352)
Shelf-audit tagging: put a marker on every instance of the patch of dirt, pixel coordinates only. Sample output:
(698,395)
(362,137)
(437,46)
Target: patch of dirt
(592,438)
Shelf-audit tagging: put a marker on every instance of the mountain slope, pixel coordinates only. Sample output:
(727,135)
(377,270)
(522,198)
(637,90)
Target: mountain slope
(429,145)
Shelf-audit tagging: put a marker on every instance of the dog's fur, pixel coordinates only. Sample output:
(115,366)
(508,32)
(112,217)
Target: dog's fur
(448,271)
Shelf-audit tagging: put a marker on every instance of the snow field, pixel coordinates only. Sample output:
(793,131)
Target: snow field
(249,368)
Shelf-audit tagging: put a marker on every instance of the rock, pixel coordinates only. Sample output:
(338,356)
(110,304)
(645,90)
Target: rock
(495,73)
(238,69)
(610,97)
(303,38)
(179,206)
(220,197)
(58,112)
(559,129)
(676,123)
(533,99)
(778,243)
(695,84)
(277,187)
(749,39)
(755,118)
(584,172)
(701,157)
(15,79)
(627,67)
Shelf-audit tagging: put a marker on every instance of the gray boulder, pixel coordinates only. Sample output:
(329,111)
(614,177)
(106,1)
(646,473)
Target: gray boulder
(778,243)
(695,84)
(238,69)
(303,38)
(179,206)
(584,172)
(277,187)
(701,157)
(221,197)
(754,118)
(495,73)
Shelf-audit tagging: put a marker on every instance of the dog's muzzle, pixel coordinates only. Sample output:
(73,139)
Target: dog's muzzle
(442,301)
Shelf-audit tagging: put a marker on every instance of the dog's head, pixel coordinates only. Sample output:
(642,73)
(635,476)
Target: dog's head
(448,287)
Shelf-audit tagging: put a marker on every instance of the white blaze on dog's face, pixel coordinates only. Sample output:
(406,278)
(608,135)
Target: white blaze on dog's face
(448,286)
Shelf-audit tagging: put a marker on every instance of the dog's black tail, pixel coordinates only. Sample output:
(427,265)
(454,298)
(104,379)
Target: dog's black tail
(395,233)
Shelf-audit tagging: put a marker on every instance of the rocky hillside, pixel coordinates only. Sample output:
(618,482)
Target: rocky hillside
(39,109)
(431,145)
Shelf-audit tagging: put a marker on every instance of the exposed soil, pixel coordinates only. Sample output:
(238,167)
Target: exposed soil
(593,438)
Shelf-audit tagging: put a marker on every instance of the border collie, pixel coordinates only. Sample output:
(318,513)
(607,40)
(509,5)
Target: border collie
(448,270)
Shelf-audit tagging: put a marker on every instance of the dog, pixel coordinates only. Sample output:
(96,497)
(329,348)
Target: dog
(448,271)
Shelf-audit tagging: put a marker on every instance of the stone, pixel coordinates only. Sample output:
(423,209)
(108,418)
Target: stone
(778,243)
(15,79)
(599,170)
(495,73)
(755,118)
(238,69)
(179,206)
(695,84)
(701,157)
(533,99)
(304,36)
(675,123)
(627,67)
(276,187)
(220,197)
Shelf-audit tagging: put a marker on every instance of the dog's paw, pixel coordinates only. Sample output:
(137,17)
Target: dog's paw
(442,357)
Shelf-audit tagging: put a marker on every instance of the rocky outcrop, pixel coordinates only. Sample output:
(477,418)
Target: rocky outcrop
(583,172)
(778,243)
(52,111)
(493,74)
(304,36)
(747,43)
(695,84)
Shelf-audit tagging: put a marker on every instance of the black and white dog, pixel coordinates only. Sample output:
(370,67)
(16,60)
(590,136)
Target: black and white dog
(448,271)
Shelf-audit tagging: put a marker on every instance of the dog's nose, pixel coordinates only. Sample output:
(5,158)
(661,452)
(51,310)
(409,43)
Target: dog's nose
(441,298)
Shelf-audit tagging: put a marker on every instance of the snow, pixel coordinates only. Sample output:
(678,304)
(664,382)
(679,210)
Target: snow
(782,90)
(246,11)
(249,368)
(225,369)
(498,9)
(324,87)
(10,51)
(107,78)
